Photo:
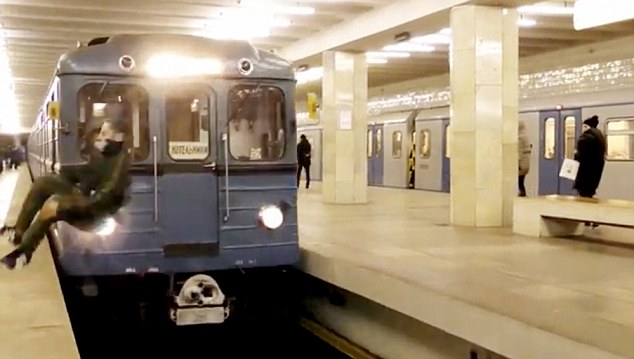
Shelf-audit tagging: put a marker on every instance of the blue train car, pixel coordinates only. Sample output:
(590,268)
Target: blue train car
(213,169)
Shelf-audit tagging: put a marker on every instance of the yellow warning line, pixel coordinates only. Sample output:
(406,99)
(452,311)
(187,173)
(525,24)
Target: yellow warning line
(336,341)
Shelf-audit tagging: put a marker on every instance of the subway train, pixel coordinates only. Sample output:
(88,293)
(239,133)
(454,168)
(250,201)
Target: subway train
(213,193)
(553,125)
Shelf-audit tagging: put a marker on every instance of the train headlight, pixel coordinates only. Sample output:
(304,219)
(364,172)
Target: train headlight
(106,227)
(174,65)
(271,216)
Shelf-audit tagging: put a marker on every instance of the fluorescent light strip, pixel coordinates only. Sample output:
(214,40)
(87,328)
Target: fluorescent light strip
(9,120)
(376,61)
(379,54)
(592,13)
(409,46)
(312,74)
(433,39)
(285,9)
(545,10)
(526,22)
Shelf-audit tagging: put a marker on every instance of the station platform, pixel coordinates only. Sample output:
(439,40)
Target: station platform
(35,323)
(520,297)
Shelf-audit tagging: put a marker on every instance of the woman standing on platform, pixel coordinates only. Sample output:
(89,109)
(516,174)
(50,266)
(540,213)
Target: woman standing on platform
(523,157)
(591,150)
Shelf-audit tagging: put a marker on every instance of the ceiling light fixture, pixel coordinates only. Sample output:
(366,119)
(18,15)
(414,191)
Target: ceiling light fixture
(409,46)
(381,54)
(433,39)
(526,22)
(592,13)
(546,9)
(309,75)
(284,9)
(9,120)
(376,61)
(403,36)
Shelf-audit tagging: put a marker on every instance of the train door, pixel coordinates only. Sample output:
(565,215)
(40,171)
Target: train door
(188,182)
(446,173)
(375,155)
(395,161)
(558,131)
(429,145)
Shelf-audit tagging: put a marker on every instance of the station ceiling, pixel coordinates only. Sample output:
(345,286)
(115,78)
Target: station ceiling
(37,32)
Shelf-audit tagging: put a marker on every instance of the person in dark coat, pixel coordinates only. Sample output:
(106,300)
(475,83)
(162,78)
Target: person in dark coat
(303,159)
(590,152)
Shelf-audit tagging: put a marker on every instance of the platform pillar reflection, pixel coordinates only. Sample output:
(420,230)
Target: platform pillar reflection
(484,104)
(344,120)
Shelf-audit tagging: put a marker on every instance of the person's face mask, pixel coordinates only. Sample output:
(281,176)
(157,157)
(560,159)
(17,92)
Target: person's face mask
(106,140)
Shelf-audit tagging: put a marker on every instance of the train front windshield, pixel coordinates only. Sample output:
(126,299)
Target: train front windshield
(256,123)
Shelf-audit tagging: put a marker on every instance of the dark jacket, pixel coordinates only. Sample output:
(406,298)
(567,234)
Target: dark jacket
(103,182)
(303,153)
(591,150)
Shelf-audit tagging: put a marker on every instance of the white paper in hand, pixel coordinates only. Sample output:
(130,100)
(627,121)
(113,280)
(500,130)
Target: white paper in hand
(569,169)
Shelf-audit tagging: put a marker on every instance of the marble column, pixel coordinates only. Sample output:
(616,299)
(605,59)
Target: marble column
(484,104)
(344,119)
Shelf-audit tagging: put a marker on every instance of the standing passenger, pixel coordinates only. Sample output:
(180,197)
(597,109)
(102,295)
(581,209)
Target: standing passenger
(591,150)
(524,157)
(303,159)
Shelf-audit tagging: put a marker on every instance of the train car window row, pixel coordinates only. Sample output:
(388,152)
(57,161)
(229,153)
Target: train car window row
(620,139)
(397,144)
(92,100)
(256,123)
(188,116)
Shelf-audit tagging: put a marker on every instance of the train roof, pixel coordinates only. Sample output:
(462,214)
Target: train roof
(103,56)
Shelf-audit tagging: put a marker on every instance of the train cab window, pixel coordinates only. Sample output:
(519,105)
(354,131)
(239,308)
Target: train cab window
(549,138)
(620,139)
(187,115)
(424,144)
(397,144)
(256,123)
(370,143)
(92,100)
(569,132)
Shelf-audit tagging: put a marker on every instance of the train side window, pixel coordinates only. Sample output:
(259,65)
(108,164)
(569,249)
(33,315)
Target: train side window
(570,138)
(397,144)
(447,142)
(92,100)
(424,143)
(370,143)
(549,138)
(256,123)
(187,112)
(379,142)
(620,139)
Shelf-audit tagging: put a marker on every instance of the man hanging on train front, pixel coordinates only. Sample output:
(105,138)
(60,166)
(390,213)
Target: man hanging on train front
(89,195)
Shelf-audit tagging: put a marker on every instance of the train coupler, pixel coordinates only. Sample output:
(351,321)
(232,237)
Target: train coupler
(200,301)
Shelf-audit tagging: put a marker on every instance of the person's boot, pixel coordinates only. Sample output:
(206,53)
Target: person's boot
(16,259)
(15,239)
